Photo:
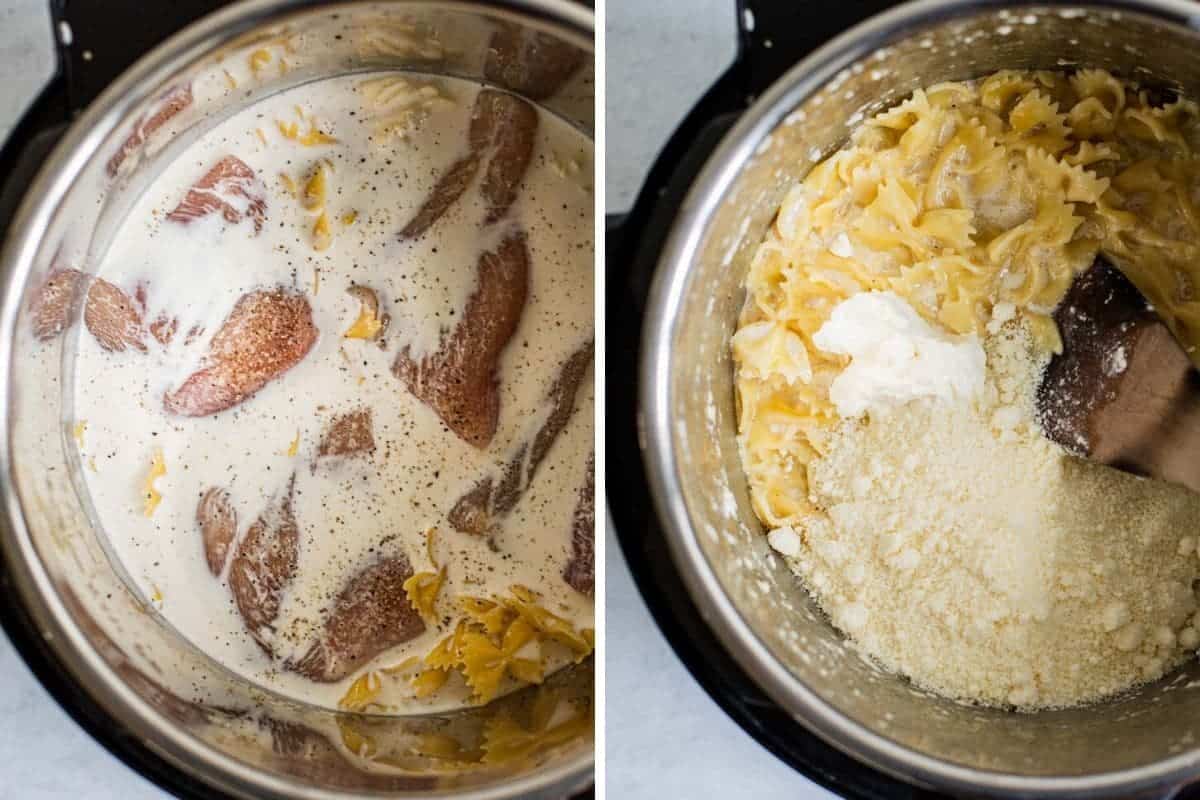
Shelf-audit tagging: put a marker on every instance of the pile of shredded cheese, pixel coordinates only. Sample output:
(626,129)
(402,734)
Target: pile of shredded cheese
(965,550)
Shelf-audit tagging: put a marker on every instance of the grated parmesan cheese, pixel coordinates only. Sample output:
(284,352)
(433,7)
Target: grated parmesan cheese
(1001,570)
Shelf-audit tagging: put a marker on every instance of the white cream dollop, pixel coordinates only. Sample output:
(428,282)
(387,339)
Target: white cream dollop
(896,356)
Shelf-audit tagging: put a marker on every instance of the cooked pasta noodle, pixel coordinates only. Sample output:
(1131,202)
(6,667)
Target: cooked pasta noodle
(963,196)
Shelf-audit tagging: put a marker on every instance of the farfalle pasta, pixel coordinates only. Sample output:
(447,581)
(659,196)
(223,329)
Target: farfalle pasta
(497,643)
(517,729)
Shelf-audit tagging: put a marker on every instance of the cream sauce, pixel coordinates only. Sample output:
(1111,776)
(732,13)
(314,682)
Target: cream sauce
(350,511)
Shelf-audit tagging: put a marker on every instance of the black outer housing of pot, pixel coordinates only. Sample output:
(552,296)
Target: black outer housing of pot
(115,34)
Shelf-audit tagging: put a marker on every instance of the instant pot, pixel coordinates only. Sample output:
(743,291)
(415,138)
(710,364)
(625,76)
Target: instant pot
(71,168)
(733,611)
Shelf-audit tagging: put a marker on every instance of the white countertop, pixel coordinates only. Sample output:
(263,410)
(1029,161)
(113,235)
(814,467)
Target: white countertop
(662,56)
(26,54)
(44,755)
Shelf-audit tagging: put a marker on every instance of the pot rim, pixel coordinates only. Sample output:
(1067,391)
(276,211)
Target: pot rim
(682,244)
(32,583)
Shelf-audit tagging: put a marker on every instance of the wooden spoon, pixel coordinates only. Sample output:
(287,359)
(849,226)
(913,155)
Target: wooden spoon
(1123,392)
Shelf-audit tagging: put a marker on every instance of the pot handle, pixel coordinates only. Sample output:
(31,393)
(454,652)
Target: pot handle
(19,162)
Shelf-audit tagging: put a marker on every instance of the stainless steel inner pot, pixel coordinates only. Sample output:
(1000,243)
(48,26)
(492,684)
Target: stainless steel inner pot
(149,681)
(1141,743)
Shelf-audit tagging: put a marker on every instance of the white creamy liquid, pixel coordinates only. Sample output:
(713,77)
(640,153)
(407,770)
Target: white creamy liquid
(350,511)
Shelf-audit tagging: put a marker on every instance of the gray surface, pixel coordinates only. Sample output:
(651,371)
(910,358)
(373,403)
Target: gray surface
(665,737)
(26,55)
(44,755)
(661,57)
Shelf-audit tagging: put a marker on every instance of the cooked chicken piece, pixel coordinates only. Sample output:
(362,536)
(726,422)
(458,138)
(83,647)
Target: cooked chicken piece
(267,333)
(580,572)
(502,132)
(348,434)
(264,565)
(230,187)
(163,329)
(530,63)
(113,317)
(445,193)
(370,615)
(513,137)
(477,510)
(51,307)
(109,313)
(169,105)
(458,381)
(218,527)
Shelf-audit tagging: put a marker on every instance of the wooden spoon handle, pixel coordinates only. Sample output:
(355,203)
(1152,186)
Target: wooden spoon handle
(1149,423)
(1123,392)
